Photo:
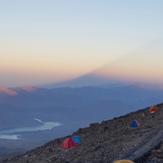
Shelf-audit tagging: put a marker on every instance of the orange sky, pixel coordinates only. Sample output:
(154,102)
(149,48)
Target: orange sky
(46,42)
(143,64)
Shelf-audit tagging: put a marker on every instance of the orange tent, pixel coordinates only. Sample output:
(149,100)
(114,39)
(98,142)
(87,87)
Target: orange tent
(123,161)
(153,109)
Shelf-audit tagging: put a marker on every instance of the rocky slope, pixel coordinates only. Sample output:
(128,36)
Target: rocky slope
(107,141)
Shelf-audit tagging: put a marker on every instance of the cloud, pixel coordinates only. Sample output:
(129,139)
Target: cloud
(8,91)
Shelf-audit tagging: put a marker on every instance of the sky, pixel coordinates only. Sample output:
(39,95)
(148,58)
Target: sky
(47,41)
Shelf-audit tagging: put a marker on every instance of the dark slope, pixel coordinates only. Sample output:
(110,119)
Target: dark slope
(104,142)
(155,155)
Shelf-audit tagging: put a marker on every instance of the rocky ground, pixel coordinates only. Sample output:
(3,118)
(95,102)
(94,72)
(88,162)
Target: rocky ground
(107,141)
(155,155)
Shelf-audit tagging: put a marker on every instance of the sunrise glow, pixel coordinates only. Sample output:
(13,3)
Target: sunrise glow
(58,41)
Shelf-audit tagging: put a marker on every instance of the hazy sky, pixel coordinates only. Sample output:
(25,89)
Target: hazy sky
(43,41)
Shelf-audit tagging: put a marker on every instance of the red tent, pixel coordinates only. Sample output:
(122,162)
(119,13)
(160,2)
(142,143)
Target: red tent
(68,143)
(153,109)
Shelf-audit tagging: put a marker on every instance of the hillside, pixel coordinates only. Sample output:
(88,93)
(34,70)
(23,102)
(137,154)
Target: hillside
(73,107)
(107,141)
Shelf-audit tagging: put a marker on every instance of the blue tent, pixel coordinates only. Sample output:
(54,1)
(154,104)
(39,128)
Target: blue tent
(76,139)
(134,124)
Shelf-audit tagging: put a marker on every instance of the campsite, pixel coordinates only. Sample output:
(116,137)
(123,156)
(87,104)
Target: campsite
(113,140)
(81,81)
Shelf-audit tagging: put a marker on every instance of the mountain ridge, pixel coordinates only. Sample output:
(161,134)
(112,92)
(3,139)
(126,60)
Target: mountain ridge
(104,142)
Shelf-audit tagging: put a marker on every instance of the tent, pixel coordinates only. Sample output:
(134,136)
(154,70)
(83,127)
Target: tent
(68,143)
(123,161)
(134,124)
(152,110)
(76,139)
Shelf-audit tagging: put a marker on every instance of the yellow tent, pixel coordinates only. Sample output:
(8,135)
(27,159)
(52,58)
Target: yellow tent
(123,161)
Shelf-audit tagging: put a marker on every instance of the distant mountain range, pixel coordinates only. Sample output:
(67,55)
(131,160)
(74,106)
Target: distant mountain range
(74,103)
(86,81)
